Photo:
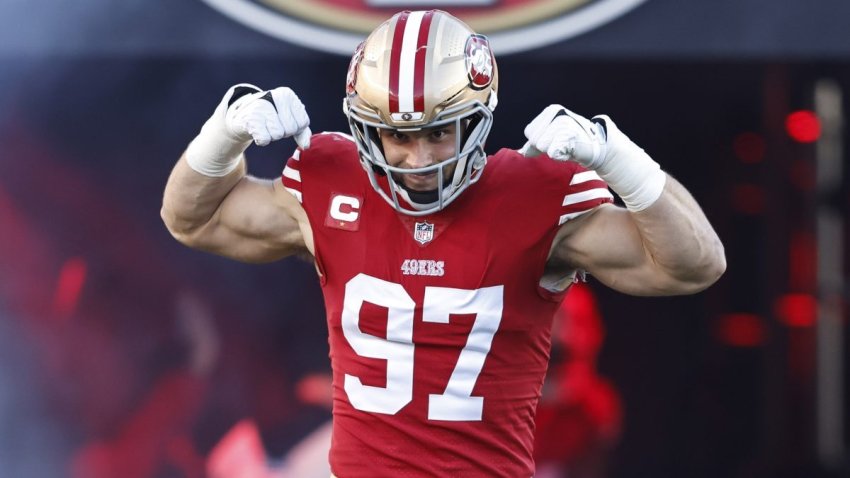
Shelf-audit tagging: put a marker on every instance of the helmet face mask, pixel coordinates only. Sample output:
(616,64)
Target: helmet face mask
(453,81)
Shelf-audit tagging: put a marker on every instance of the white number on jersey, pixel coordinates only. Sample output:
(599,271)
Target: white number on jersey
(456,403)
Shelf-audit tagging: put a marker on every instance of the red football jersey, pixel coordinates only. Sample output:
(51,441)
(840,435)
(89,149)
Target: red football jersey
(439,327)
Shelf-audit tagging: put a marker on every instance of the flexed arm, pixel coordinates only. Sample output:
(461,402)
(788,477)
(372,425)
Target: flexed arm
(210,203)
(660,244)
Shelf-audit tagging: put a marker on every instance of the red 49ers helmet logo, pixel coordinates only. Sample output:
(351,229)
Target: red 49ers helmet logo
(337,26)
(479,61)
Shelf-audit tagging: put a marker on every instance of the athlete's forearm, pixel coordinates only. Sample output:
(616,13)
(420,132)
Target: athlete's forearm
(192,199)
(680,240)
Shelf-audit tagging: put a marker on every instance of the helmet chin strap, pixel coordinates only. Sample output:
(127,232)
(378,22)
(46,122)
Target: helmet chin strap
(423,198)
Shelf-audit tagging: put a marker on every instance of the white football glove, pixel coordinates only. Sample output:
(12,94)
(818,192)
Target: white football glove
(266,116)
(564,135)
(247,113)
(598,145)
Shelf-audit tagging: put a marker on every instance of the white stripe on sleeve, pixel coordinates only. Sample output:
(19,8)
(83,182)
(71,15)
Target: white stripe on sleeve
(292,174)
(572,215)
(596,193)
(584,177)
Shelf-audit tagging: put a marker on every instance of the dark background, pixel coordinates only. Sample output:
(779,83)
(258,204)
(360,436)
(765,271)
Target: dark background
(97,101)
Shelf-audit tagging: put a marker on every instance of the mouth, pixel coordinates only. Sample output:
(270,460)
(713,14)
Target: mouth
(421,182)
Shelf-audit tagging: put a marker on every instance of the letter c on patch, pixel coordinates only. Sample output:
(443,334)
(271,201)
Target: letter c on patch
(345,208)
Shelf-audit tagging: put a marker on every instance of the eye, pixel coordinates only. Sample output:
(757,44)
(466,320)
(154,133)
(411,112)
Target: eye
(439,133)
(398,136)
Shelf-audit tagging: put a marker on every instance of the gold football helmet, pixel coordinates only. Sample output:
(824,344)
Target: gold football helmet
(418,70)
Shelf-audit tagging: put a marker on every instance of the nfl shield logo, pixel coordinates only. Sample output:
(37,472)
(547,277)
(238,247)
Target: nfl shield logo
(423,232)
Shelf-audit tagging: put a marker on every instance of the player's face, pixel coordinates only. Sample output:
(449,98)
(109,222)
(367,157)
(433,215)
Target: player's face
(419,149)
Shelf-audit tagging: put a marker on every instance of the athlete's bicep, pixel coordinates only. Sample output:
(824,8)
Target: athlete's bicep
(606,243)
(258,221)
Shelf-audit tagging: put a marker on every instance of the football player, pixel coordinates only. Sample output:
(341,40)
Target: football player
(441,266)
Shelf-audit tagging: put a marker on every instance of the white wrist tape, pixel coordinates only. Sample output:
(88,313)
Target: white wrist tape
(216,152)
(627,169)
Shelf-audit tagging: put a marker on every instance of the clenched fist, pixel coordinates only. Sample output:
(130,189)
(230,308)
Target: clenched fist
(266,116)
(247,113)
(564,135)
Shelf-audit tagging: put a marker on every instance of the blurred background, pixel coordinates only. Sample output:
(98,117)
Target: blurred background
(125,354)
